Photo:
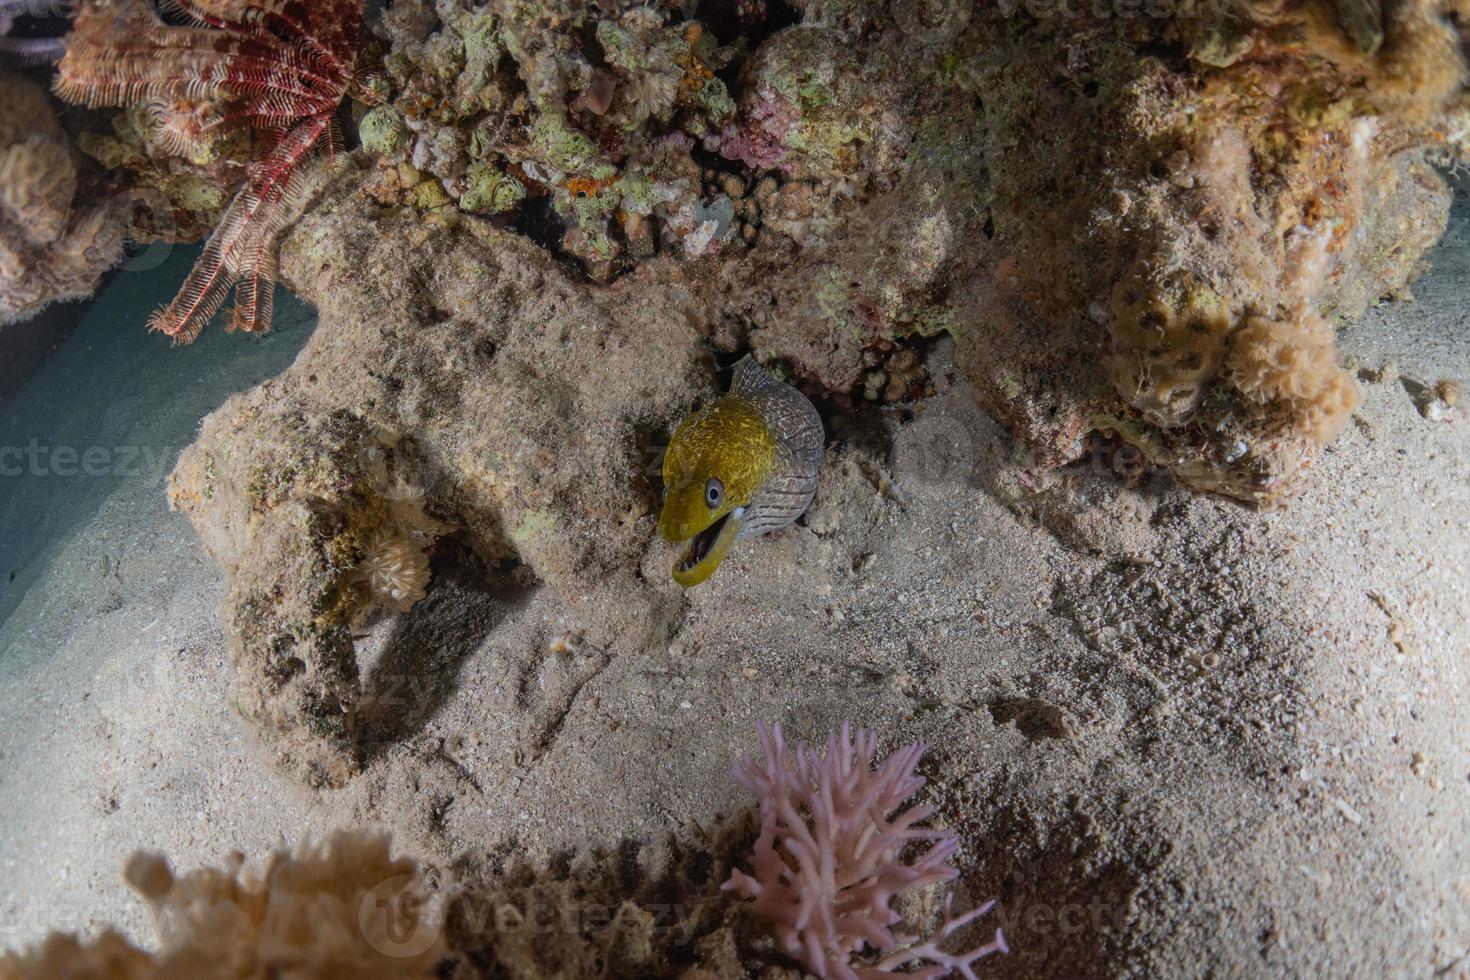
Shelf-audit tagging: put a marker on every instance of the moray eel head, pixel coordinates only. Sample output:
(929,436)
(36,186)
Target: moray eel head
(716,461)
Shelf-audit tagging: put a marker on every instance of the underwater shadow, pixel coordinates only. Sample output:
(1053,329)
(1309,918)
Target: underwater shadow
(420,662)
(641,909)
(1069,907)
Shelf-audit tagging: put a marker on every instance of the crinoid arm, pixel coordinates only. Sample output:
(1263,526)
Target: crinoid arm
(276,68)
(121,54)
(27,51)
(125,54)
(242,252)
(328,28)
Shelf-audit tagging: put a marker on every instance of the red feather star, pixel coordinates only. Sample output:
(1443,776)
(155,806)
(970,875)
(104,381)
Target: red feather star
(278,67)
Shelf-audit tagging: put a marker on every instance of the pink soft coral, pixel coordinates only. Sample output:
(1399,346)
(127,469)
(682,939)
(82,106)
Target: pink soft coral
(759,138)
(829,858)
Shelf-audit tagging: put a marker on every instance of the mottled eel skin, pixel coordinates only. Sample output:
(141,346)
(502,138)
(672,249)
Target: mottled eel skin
(741,466)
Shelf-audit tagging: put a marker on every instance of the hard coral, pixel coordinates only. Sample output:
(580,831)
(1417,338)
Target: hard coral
(341,910)
(593,110)
(395,569)
(807,107)
(61,956)
(830,858)
(1290,188)
(50,249)
(278,68)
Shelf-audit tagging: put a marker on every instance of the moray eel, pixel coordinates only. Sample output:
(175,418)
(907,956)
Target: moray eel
(738,468)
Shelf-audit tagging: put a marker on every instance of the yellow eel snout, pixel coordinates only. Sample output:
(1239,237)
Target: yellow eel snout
(706,549)
(745,463)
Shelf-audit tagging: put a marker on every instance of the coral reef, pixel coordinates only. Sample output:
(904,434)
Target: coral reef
(1097,210)
(347,909)
(1289,190)
(176,198)
(1095,207)
(652,909)
(808,109)
(456,379)
(598,120)
(605,130)
(261,66)
(51,246)
(830,858)
(342,909)
(1122,241)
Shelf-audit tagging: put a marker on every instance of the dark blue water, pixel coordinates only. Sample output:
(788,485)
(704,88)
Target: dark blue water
(109,412)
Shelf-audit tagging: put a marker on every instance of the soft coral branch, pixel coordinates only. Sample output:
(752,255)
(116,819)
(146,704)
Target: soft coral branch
(278,67)
(830,857)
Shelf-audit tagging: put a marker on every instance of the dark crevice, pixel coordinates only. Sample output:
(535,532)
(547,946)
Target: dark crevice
(419,667)
(754,20)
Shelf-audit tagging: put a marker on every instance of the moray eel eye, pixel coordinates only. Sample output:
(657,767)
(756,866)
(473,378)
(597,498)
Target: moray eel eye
(714,493)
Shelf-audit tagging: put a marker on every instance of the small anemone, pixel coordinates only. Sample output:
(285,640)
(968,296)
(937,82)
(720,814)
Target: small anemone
(394,569)
(406,508)
(1296,365)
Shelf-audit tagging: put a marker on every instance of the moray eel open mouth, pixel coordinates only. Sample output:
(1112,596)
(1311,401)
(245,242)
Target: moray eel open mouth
(707,549)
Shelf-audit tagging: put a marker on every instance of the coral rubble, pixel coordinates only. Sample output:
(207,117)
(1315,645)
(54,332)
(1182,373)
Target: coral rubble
(52,246)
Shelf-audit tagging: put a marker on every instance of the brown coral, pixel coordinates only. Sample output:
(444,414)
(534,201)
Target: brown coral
(1168,340)
(344,909)
(1295,365)
(61,956)
(1292,188)
(50,249)
(395,569)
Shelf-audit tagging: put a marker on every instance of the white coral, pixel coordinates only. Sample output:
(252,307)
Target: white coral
(395,569)
(1294,363)
(344,908)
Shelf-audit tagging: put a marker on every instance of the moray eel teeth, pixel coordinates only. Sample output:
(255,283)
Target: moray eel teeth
(707,549)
